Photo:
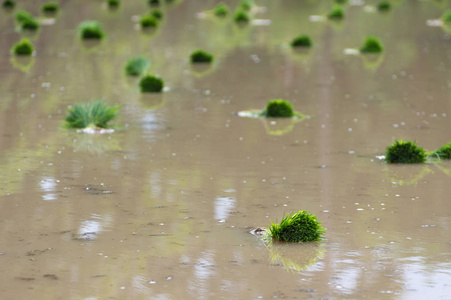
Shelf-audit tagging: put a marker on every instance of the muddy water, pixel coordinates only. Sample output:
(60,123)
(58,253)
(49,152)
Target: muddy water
(162,208)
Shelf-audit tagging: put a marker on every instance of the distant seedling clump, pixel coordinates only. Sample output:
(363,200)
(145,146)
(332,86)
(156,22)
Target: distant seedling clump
(341,1)
(241,16)
(26,20)
(278,108)
(447,16)
(297,227)
(90,30)
(156,13)
(301,41)
(50,7)
(148,21)
(372,45)
(201,56)
(24,47)
(151,84)
(384,6)
(443,152)
(136,66)
(337,13)
(91,115)
(246,4)
(8,4)
(221,10)
(113,3)
(154,2)
(404,152)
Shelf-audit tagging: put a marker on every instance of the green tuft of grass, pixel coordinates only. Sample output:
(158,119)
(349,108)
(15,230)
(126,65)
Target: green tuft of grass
(136,66)
(113,3)
(148,21)
(22,16)
(246,5)
(30,24)
(50,7)
(90,30)
(443,152)
(297,227)
(23,47)
(9,4)
(372,45)
(301,41)
(156,13)
(447,16)
(201,56)
(92,114)
(278,108)
(151,84)
(337,13)
(404,152)
(221,10)
(241,16)
(384,6)
(154,2)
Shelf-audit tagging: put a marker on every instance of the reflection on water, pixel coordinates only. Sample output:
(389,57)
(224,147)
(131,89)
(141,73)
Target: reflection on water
(295,257)
(48,185)
(223,207)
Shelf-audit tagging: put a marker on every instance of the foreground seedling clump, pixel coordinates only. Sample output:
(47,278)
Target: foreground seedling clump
(372,45)
(24,47)
(93,116)
(201,56)
(301,41)
(297,227)
(151,84)
(90,30)
(278,108)
(443,152)
(136,66)
(405,152)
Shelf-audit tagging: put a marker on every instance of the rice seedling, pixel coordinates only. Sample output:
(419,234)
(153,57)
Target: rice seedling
(341,1)
(221,10)
(337,13)
(297,227)
(443,152)
(24,47)
(148,21)
(384,6)
(447,16)
(301,41)
(22,16)
(113,3)
(90,30)
(29,24)
(50,7)
(154,2)
(278,108)
(136,66)
(246,4)
(241,16)
(8,4)
(372,45)
(201,56)
(405,152)
(91,115)
(156,13)
(151,84)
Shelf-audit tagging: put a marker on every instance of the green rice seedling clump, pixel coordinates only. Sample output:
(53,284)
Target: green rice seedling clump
(372,45)
(136,66)
(443,152)
(337,13)
(154,2)
(447,16)
(29,24)
(148,21)
(90,30)
(241,16)
(341,1)
(151,84)
(297,227)
(22,16)
(10,4)
(24,47)
(156,13)
(278,108)
(246,4)
(50,7)
(91,115)
(221,10)
(201,56)
(384,6)
(113,3)
(301,41)
(404,152)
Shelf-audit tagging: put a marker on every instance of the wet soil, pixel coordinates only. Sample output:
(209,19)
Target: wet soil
(163,207)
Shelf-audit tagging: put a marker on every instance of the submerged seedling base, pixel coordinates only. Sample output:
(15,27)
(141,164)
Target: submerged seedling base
(95,130)
(256,113)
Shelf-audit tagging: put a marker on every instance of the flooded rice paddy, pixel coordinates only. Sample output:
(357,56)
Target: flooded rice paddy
(163,207)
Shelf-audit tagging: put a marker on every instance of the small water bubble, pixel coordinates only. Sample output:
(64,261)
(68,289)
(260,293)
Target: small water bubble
(122,287)
(152,282)
(169,278)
